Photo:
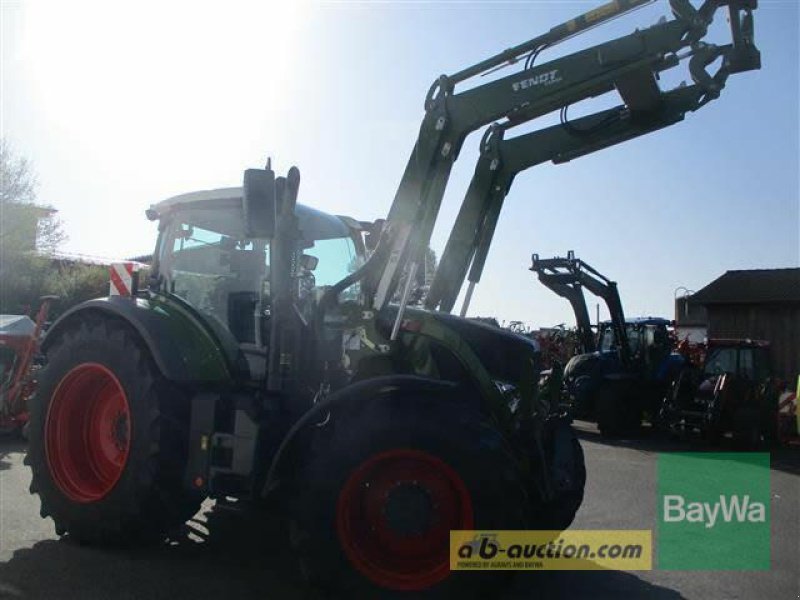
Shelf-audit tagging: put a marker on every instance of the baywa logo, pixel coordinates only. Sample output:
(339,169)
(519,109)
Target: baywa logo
(714,511)
(728,508)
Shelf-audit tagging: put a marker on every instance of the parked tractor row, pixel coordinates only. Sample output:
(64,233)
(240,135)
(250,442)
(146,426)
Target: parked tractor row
(627,370)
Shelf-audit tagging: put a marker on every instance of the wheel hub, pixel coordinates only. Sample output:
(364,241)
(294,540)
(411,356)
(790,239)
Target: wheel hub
(394,517)
(87,433)
(409,510)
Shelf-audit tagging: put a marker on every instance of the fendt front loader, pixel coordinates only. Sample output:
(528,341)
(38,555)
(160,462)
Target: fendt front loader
(268,359)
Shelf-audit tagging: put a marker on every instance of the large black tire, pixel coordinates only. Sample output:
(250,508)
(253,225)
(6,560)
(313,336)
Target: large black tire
(108,438)
(567,465)
(619,414)
(347,560)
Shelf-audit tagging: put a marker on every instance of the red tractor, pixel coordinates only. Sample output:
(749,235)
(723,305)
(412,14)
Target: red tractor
(732,392)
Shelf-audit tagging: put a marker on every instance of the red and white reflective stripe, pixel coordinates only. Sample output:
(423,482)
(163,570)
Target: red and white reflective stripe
(122,278)
(787,402)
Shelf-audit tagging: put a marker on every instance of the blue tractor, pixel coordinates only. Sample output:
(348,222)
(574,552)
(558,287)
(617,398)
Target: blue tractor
(624,369)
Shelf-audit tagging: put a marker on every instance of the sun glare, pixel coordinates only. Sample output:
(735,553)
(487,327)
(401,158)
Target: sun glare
(158,74)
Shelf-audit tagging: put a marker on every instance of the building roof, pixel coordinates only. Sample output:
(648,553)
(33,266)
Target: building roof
(757,286)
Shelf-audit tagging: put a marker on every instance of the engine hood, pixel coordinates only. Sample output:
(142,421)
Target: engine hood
(500,351)
(586,364)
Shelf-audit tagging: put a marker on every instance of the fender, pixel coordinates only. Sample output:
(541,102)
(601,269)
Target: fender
(184,347)
(350,394)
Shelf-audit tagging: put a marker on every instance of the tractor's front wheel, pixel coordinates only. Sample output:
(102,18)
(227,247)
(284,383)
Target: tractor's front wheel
(567,466)
(618,410)
(383,486)
(108,442)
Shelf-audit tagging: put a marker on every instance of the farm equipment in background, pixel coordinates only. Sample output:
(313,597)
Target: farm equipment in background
(558,344)
(788,416)
(625,370)
(694,353)
(265,360)
(19,344)
(734,392)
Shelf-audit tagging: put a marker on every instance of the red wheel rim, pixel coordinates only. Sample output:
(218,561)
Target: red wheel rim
(394,517)
(87,433)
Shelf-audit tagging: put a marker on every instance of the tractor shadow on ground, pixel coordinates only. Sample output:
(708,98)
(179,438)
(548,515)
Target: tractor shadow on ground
(231,554)
(219,554)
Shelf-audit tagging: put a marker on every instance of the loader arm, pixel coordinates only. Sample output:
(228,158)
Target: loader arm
(629,64)
(574,275)
(550,272)
(602,287)
(502,159)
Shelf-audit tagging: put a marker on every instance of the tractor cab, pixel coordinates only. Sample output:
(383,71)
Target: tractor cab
(731,374)
(205,257)
(644,334)
(746,359)
(648,342)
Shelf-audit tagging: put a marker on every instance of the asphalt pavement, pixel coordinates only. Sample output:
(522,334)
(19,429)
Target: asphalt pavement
(225,553)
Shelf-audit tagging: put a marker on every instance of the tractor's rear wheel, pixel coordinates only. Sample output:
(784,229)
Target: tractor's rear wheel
(382,487)
(108,441)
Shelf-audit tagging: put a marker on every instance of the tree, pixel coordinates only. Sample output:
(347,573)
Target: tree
(76,282)
(25,228)
(17,182)
(24,225)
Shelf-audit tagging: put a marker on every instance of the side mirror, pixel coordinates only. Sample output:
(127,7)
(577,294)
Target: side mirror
(308,262)
(258,203)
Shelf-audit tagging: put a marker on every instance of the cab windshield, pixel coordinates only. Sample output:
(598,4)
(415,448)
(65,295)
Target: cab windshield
(608,340)
(206,260)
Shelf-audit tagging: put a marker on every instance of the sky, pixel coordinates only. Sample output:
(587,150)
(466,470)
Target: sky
(120,105)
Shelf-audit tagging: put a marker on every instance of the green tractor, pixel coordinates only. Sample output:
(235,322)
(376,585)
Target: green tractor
(272,355)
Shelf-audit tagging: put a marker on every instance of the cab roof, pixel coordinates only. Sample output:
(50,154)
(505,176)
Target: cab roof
(314,224)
